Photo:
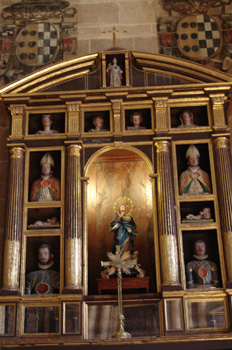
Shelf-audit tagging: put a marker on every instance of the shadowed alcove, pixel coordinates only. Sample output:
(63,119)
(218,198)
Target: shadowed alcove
(113,174)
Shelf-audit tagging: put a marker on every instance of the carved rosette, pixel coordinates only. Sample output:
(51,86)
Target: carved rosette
(73,221)
(11,265)
(224,184)
(167,217)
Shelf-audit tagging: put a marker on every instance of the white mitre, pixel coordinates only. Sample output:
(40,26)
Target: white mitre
(47,159)
(192,151)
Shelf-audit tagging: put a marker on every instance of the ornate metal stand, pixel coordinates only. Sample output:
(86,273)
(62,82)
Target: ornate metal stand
(120,262)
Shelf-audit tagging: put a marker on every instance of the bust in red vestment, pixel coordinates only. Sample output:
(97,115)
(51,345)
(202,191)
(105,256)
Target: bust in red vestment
(47,187)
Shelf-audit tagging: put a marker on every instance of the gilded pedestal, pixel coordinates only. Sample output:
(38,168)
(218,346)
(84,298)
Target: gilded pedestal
(11,265)
(73,222)
(224,184)
(167,218)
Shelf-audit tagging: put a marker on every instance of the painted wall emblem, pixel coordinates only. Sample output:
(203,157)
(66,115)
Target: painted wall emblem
(37,44)
(199,36)
(34,34)
(191,32)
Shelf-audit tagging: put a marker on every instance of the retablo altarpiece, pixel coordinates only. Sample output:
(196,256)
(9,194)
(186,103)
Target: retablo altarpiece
(153,131)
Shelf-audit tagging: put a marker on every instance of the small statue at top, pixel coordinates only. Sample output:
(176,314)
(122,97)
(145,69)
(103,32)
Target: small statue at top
(114,74)
(194,180)
(124,229)
(200,272)
(186,118)
(47,123)
(47,187)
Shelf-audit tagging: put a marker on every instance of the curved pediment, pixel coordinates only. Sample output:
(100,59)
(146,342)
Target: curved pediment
(139,70)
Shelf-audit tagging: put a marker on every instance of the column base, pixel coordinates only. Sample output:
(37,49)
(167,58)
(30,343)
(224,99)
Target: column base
(171,287)
(9,291)
(229,284)
(70,290)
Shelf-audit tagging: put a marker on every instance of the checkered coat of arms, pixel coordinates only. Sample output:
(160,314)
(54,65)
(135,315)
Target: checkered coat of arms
(199,36)
(37,44)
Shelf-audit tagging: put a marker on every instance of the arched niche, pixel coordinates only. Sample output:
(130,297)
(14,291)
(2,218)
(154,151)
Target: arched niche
(114,173)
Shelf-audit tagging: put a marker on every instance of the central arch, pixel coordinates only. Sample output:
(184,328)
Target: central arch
(113,173)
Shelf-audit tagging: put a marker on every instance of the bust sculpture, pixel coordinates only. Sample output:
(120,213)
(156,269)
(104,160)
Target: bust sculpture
(98,122)
(44,280)
(47,123)
(200,272)
(47,187)
(194,180)
(186,118)
(136,119)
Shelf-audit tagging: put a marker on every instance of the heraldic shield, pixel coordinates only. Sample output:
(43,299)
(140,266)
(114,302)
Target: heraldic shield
(37,44)
(199,36)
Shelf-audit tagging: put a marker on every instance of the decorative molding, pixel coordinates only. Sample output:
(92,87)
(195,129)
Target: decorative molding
(193,6)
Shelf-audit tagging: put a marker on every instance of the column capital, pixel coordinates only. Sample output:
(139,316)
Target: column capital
(160,102)
(116,104)
(84,179)
(73,107)
(17,110)
(221,142)
(162,145)
(217,99)
(74,150)
(153,176)
(17,152)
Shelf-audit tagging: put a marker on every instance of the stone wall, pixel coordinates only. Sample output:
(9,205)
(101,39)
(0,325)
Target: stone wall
(136,17)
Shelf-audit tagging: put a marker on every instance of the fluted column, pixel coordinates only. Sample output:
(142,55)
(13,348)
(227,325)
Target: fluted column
(224,185)
(161,114)
(17,114)
(85,236)
(14,219)
(73,118)
(116,108)
(218,110)
(166,218)
(73,222)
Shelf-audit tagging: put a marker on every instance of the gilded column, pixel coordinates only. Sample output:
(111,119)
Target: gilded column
(224,185)
(166,218)
(127,67)
(161,113)
(85,236)
(17,113)
(73,118)
(14,219)
(73,222)
(103,70)
(116,107)
(218,110)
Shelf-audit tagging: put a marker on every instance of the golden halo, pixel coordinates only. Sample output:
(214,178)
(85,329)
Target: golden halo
(126,201)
